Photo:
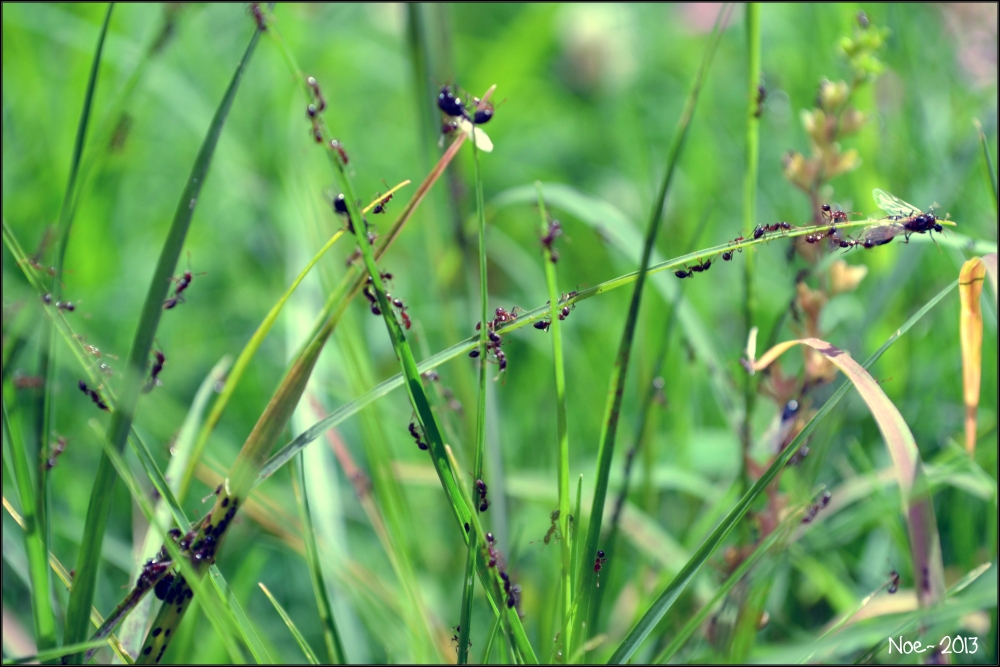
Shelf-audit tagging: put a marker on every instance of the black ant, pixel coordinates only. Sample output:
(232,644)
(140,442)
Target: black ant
(483,502)
(380,206)
(542,325)
(340,206)
(564,311)
(683,274)
(554,230)
(893,582)
(384,275)
(182,284)
(758,232)
(68,306)
(450,105)
(815,508)
(94,396)
(339,147)
(483,115)
(372,299)
(703,265)
(154,372)
(598,564)
(494,556)
(761,96)
(415,432)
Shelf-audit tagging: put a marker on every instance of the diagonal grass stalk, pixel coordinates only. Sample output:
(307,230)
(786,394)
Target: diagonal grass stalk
(666,599)
(299,639)
(609,428)
(562,429)
(285,454)
(101,496)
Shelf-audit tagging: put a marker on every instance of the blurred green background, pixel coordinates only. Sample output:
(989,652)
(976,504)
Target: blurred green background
(591,95)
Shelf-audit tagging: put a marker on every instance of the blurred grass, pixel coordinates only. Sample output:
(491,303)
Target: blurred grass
(590,93)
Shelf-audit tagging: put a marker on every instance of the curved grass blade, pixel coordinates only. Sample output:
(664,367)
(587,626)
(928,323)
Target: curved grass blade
(310,656)
(285,454)
(562,429)
(331,636)
(970,326)
(88,561)
(666,599)
(489,642)
(241,364)
(612,410)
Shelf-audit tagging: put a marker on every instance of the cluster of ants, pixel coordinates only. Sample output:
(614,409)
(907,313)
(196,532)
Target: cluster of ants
(68,306)
(543,325)
(454,108)
(511,590)
(816,507)
(494,343)
(369,292)
(313,111)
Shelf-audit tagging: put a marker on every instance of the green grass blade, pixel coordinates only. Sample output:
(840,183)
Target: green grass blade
(331,636)
(88,561)
(695,621)
(52,655)
(488,651)
(469,587)
(34,529)
(612,410)
(285,453)
(750,218)
(310,656)
(242,362)
(667,598)
(991,171)
(562,429)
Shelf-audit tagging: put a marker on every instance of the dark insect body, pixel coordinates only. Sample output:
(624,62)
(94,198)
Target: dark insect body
(94,396)
(542,325)
(339,147)
(415,433)
(598,564)
(154,372)
(450,105)
(893,582)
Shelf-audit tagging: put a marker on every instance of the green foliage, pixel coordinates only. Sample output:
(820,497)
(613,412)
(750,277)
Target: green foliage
(363,548)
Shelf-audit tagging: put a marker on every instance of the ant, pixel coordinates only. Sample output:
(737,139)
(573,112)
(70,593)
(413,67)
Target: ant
(182,284)
(542,325)
(384,275)
(370,295)
(414,431)
(454,638)
(893,582)
(58,447)
(683,274)
(340,206)
(815,508)
(483,115)
(339,147)
(494,555)
(398,303)
(483,502)
(554,230)
(598,564)
(450,105)
(758,232)
(834,215)
(22,381)
(553,529)
(564,312)
(94,396)
(703,265)
(317,95)
(380,207)
(761,96)
(259,17)
(154,372)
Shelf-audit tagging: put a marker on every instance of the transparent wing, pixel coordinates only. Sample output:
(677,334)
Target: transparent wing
(892,204)
(483,142)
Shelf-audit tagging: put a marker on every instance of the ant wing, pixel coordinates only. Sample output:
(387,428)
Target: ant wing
(483,142)
(892,204)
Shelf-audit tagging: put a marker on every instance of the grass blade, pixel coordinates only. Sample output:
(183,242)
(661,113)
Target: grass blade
(34,530)
(666,599)
(52,655)
(331,636)
(98,511)
(310,656)
(991,171)
(750,217)
(970,326)
(612,410)
(562,429)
